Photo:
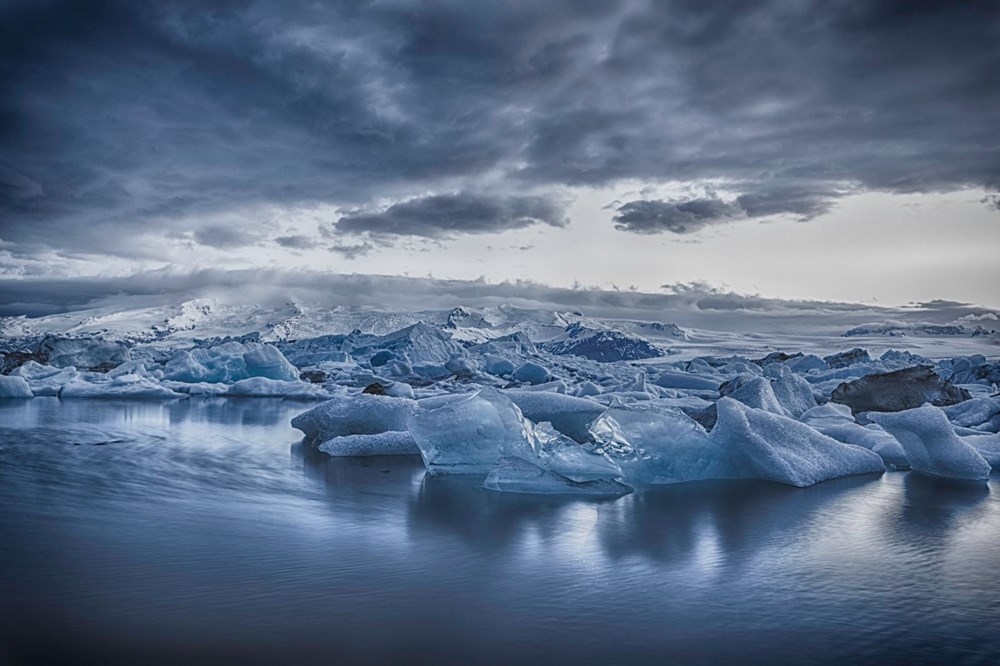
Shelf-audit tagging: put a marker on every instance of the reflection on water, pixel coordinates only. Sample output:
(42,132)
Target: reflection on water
(202,531)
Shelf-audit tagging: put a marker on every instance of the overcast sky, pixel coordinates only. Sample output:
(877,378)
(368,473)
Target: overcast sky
(826,150)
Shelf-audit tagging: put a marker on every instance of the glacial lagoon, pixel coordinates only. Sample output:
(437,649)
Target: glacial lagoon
(202,531)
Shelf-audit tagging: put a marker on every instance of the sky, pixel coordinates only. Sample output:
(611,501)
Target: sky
(834,150)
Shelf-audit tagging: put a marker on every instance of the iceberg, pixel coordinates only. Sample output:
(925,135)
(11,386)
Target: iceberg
(497,365)
(763,445)
(679,379)
(532,373)
(973,412)
(931,444)
(263,387)
(467,436)
(229,362)
(123,386)
(551,450)
(362,414)
(81,353)
(515,475)
(988,447)
(568,414)
(389,443)
(14,387)
(835,421)
(653,444)
(756,392)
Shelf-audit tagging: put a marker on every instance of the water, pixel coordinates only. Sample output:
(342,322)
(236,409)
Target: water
(200,532)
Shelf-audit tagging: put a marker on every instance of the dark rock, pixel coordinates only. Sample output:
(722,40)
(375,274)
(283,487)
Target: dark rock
(374,389)
(846,358)
(105,367)
(776,357)
(15,359)
(895,391)
(314,376)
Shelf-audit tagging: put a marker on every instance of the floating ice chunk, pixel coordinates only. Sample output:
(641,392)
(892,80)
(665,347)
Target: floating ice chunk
(567,414)
(973,412)
(686,380)
(45,380)
(794,394)
(988,447)
(195,388)
(756,392)
(390,443)
(555,386)
(229,362)
(760,444)
(532,373)
(430,370)
(829,413)
(467,436)
(398,390)
(124,386)
(275,388)
(807,363)
(558,453)
(835,421)
(461,366)
(81,353)
(653,444)
(931,445)
(497,365)
(266,361)
(587,389)
(355,415)
(515,475)
(14,387)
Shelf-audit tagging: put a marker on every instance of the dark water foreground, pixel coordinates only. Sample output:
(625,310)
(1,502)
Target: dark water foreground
(198,532)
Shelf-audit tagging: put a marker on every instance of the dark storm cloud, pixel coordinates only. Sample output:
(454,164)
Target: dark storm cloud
(119,118)
(224,237)
(653,217)
(296,242)
(443,215)
(352,252)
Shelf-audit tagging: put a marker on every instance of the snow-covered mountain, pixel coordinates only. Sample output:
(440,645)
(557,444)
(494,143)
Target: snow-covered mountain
(920,330)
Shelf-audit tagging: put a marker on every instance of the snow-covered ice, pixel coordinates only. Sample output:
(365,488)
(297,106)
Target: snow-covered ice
(14,387)
(931,444)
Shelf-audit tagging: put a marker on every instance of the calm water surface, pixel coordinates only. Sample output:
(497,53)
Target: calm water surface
(200,532)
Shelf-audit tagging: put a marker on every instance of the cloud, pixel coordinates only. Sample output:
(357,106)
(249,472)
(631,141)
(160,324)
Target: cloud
(296,242)
(443,215)
(224,237)
(352,252)
(992,201)
(651,217)
(124,119)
